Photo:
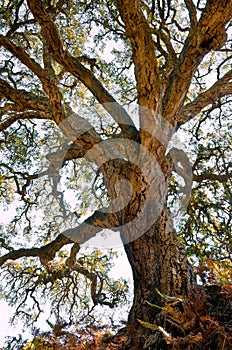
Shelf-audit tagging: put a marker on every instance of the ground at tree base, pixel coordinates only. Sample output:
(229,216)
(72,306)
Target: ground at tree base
(201,322)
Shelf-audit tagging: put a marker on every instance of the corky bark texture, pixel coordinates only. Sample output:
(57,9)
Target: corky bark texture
(136,169)
(146,229)
(165,272)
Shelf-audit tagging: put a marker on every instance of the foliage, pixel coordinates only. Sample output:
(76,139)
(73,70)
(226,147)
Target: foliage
(205,228)
(62,337)
(73,75)
(64,290)
(200,321)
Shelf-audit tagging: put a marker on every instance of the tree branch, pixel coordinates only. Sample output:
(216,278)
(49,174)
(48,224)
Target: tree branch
(221,88)
(80,234)
(56,48)
(80,131)
(146,67)
(23,100)
(209,35)
(24,115)
(45,253)
(21,54)
(163,36)
(192,13)
(212,177)
(92,225)
(92,277)
(140,36)
(96,293)
(74,127)
(68,152)
(50,83)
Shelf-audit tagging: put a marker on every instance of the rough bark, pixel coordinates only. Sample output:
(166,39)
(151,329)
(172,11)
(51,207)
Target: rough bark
(159,266)
(155,254)
(157,259)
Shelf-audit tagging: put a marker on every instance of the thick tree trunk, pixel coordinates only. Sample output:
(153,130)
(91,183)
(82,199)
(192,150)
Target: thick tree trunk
(158,263)
(157,259)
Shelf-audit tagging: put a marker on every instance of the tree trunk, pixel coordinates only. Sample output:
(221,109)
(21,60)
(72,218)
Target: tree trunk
(158,263)
(138,191)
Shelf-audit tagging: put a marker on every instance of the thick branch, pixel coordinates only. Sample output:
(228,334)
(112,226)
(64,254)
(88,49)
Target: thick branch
(21,54)
(163,36)
(80,131)
(22,99)
(146,67)
(74,127)
(50,83)
(221,88)
(80,234)
(208,35)
(45,253)
(66,153)
(192,13)
(73,65)
(92,225)
(73,264)
(97,296)
(25,115)
(212,177)
(92,277)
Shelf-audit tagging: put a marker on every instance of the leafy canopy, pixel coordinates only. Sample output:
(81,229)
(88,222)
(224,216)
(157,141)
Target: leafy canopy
(41,85)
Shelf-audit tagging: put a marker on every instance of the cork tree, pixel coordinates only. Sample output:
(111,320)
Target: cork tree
(93,95)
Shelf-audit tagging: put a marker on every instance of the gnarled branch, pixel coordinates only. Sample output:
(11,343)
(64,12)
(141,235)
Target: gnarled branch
(73,65)
(221,88)
(146,67)
(212,177)
(45,253)
(22,100)
(50,84)
(80,234)
(24,115)
(209,35)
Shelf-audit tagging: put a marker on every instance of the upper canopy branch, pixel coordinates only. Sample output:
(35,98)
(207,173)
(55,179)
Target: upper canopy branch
(164,37)
(50,83)
(22,100)
(213,177)
(146,68)
(208,35)
(58,51)
(221,88)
